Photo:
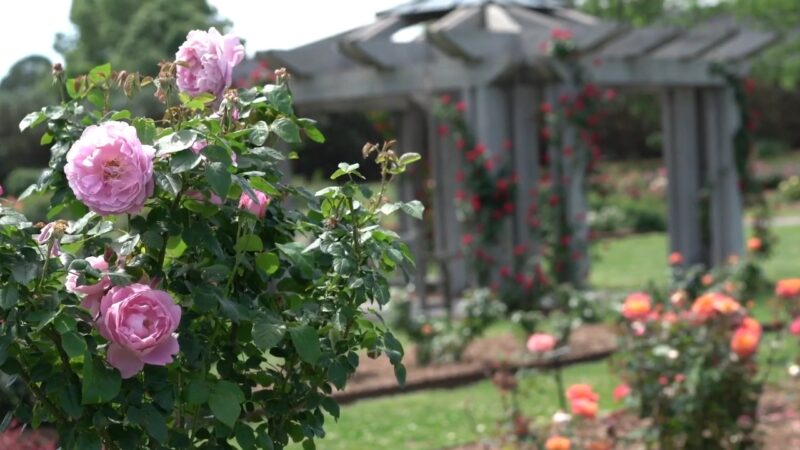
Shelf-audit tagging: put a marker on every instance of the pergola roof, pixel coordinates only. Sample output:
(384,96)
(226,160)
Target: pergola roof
(478,42)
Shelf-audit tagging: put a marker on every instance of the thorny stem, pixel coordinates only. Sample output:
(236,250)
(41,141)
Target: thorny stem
(165,237)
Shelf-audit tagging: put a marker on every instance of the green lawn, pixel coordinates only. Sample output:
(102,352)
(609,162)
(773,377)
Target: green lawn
(632,262)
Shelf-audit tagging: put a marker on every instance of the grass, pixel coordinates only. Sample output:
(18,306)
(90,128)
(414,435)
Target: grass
(632,262)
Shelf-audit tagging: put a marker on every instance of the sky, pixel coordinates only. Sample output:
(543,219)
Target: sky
(299,22)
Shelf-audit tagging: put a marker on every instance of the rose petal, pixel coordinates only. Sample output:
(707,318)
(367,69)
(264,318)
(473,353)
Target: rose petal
(161,355)
(127,362)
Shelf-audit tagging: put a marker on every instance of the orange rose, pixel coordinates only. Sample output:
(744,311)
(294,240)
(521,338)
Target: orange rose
(752,325)
(754,244)
(745,342)
(788,288)
(675,259)
(584,407)
(557,443)
(707,279)
(636,306)
(582,391)
(709,304)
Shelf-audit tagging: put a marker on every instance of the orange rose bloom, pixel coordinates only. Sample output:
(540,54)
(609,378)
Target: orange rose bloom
(788,288)
(557,443)
(754,244)
(751,324)
(707,279)
(709,304)
(636,306)
(585,408)
(582,391)
(675,258)
(745,342)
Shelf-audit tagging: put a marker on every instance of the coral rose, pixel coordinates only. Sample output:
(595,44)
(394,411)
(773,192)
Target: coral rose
(582,391)
(259,208)
(621,391)
(541,342)
(754,244)
(584,407)
(788,288)
(109,169)
(708,305)
(745,342)
(92,293)
(675,259)
(139,323)
(636,306)
(557,443)
(206,61)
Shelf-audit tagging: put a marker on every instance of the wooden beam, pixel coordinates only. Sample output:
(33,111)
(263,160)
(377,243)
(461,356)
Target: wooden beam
(742,46)
(638,42)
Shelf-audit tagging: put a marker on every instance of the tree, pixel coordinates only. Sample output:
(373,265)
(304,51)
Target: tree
(131,34)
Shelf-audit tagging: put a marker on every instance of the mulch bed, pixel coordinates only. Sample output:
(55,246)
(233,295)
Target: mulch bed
(375,377)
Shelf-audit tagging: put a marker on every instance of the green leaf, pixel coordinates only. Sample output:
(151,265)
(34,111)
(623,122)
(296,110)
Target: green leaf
(268,331)
(414,208)
(31,120)
(100,384)
(279,97)
(9,296)
(183,161)
(264,186)
(73,344)
(218,178)
(197,392)
(331,406)
(287,130)
(346,169)
(249,243)
(88,440)
(306,341)
(218,154)
(225,401)
(120,115)
(100,73)
(259,134)
(168,182)
(152,421)
(245,436)
(268,262)
(145,129)
(176,142)
(313,133)
(408,158)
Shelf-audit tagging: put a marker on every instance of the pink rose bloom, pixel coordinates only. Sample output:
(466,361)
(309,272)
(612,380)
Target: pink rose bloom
(208,59)
(139,323)
(541,342)
(621,391)
(109,169)
(45,235)
(92,293)
(794,328)
(259,208)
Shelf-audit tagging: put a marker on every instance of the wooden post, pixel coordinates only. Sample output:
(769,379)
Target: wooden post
(721,121)
(491,112)
(412,138)
(525,101)
(447,230)
(680,125)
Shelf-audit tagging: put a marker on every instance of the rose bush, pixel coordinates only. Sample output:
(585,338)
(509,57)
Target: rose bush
(185,295)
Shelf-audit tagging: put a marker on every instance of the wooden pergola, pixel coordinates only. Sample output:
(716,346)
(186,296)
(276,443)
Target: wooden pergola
(488,54)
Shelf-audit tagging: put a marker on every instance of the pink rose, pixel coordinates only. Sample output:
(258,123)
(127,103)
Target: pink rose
(207,61)
(110,170)
(139,323)
(541,342)
(46,235)
(621,391)
(214,199)
(794,328)
(92,293)
(257,208)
